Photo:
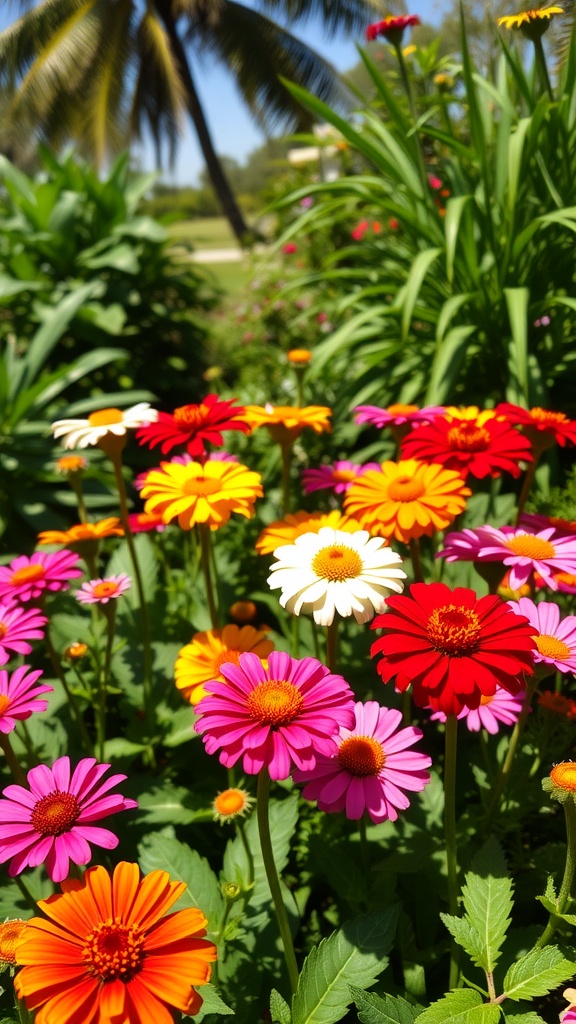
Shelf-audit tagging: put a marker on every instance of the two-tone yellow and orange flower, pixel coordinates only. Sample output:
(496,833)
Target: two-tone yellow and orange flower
(83,532)
(201,493)
(286,422)
(200,661)
(532,23)
(285,531)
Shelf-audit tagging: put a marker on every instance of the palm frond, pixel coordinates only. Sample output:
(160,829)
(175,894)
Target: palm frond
(21,42)
(341,16)
(159,97)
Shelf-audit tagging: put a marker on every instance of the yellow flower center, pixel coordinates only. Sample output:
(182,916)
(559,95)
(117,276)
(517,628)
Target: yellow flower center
(337,563)
(28,574)
(275,702)
(361,755)
(201,486)
(468,437)
(544,416)
(454,629)
(551,647)
(535,548)
(343,476)
(113,950)
(105,418)
(107,588)
(401,410)
(405,488)
(10,932)
(230,801)
(190,417)
(55,813)
(564,776)
(5,703)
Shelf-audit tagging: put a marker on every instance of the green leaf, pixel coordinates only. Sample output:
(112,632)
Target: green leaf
(212,1004)
(463,1006)
(279,1009)
(411,290)
(517,300)
(374,1009)
(283,818)
(158,852)
(487,898)
(55,321)
(355,954)
(524,1018)
(537,973)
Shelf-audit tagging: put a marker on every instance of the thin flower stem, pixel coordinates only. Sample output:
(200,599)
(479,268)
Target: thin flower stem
(332,645)
(205,559)
(415,555)
(407,707)
(76,485)
(286,451)
(527,484)
(543,67)
(565,894)
(247,850)
(299,373)
(86,741)
(109,611)
(262,800)
(502,780)
(12,761)
(451,740)
(364,847)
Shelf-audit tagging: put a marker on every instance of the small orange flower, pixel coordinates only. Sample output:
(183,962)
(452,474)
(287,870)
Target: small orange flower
(299,356)
(83,532)
(286,422)
(231,804)
(107,950)
(10,934)
(561,783)
(76,651)
(196,493)
(243,611)
(558,704)
(285,531)
(201,659)
(70,464)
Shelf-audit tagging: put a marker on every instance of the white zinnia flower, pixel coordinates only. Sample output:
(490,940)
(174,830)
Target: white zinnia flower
(81,433)
(332,571)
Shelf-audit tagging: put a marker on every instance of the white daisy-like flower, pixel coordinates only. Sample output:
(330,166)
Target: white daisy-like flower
(332,571)
(82,433)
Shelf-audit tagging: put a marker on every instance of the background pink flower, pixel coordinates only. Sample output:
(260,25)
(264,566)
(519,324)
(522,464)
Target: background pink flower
(396,415)
(546,552)
(51,823)
(371,768)
(103,591)
(274,717)
(27,578)
(501,707)
(337,477)
(18,694)
(556,639)
(17,627)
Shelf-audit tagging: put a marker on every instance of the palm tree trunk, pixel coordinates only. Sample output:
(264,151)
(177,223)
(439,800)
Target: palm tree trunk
(214,167)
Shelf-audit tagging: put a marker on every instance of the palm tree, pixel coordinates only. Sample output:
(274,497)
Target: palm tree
(103,71)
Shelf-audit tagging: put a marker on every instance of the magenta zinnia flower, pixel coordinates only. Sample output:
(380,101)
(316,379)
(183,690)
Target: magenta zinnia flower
(337,477)
(396,415)
(18,694)
(27,578)
(17,627)
(284,714)
(52,823)
(501,707)
(371,768)
(102,591)
(555,637)
(546,552)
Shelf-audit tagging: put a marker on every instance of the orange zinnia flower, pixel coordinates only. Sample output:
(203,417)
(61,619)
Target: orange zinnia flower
(83,532)
(285,531)
(200,660)
(406,499)
(286,422)
(106,951)
(10,934)
(558,704)
(201,493)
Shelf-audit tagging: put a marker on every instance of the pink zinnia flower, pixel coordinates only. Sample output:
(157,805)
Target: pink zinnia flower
(290,248)
(284,714)
(18,694)
(396,415)
(52,822)
(533,522)
(27,578)
(370,769)
(500,707)
(392,28)
(555,637)
(546,552)
(17,627)
(102,591)
(337,477)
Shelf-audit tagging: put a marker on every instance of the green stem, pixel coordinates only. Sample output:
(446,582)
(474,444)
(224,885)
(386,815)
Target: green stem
(205,545)
(407,88)
(247,851)
(451,740)
(286,451)
(565,894)
(76,485)
(527,484)
(12,761)
(502,780)
(364,847)
(543,67)
(332,645)
(262,798)
(109,611)
(415,555)
(86,741)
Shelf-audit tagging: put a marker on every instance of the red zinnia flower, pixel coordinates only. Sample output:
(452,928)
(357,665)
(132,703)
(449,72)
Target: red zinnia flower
(542,426)
(193,426)
(454,647)
(390,27)
(482,447)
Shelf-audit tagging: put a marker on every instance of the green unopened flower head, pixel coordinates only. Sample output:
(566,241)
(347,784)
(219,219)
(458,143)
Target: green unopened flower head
(231,891)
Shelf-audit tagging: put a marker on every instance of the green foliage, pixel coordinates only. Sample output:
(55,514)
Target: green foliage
(538,973)
(375,1009)
(463,1006)
(279,1009)
(159,852)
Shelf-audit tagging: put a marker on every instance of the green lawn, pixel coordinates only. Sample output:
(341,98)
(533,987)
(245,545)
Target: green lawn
(205,233)
(232,277)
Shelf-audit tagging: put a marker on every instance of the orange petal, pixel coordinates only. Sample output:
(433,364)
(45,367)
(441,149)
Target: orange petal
(180,925)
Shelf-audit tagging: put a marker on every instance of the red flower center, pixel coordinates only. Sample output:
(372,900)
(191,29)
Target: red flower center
(405,488)
(275,702)
(107,588)
(468,437)
(28,574)
(55,813)
(454,629)
(114,951)
(105,418)
(551,647)
(532,547)
(191,417)
(337,563)
(361,756)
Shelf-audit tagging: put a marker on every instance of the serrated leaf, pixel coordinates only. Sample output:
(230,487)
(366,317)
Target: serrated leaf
(185,865)
(355,954)
(463,1006)
(524,1018)
(466,936)
(487,898)
(279,1009)
(212,1004)
(375,1009)
(537,973)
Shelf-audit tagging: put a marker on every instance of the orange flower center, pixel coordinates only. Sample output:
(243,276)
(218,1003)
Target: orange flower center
(76,650)
(231,801)
(468,437)
(201,486)
(29,574)
(10,932)
(405,488)
(484,700)
(275,702)
(114,950)
(5,703)
(337,563)
(551,647)
(107,588)
(3,630)
(564,775)
(84,531)
(190,417)
(401,410)
(544,416)
(233,657)
(535,548)
(55,813)
(343,476)
(105,418)
(454,629)
(361,755)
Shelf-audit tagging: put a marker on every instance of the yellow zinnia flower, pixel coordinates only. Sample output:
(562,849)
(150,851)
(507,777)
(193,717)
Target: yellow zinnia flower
(200,660)
(285,531)
(83,532)
(286,422)
(195,493)
(532,23)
